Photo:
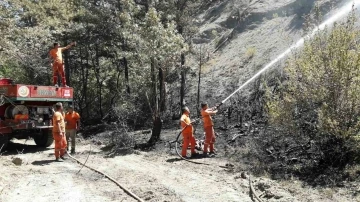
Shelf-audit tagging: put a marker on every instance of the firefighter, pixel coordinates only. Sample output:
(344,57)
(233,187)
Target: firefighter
(72,119)
(57,63)
(188,133)
(59,132)
(206,113)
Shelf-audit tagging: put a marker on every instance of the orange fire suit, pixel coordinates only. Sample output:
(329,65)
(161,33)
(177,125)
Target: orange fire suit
(188,137)
(209,131)
(59,134)
(58,65)
(71,127)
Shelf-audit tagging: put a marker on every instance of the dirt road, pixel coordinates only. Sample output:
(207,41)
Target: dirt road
(152,176)
(157,175)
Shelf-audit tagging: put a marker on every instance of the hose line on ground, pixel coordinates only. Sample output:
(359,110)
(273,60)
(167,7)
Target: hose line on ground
(85,160)
(178,153)
(252,190)
(110,178)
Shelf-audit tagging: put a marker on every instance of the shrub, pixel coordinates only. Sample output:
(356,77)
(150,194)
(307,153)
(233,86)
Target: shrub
(275,15)
(250,52)
(214,33)
(318,106)
(324,81)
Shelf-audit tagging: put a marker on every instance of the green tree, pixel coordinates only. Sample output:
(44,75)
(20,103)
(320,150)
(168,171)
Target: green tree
(161,45)
(124,49)
(28,30)
(181,12)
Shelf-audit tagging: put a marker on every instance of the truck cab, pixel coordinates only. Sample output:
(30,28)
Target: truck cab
(26,111)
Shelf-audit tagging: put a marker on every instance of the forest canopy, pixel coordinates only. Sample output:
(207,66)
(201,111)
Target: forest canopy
(122,45)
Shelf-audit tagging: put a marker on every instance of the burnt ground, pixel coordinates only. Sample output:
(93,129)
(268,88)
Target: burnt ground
(156,175)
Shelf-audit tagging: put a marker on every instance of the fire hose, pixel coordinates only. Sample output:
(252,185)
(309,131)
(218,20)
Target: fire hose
(110,178)
(252,190)
(178,136)
(178,153)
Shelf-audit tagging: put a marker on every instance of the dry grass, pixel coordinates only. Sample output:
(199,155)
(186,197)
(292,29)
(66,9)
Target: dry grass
(328,193)
(250,53)
(207,67)
(275,15)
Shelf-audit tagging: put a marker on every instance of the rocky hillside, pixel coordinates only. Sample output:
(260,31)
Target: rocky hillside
(239,37)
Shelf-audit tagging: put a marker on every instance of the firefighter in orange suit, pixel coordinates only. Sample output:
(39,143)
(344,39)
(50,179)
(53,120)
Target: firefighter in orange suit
(57,64)
(206,113)
(59,132)
(72,119)
(187,132)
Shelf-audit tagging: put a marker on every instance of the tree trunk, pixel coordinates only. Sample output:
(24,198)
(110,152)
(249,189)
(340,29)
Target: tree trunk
(147,5)
(82,74)
(157,122)
(153,84)
(199,80)
(183,78)
(85,86)
(67,67)
(118,79)
(96,65)
(183,74)
(126,68)
(162,90)
(156,130)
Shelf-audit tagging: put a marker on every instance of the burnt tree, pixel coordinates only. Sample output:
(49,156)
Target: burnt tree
(157,122)
(183,79)
(162,90)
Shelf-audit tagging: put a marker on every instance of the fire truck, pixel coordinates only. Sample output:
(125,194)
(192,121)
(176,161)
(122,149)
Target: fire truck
(26,111)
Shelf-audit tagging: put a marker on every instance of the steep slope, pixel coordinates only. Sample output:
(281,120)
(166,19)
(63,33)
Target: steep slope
(236,49)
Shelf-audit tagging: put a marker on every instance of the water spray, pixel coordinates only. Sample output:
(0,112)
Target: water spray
(343,11)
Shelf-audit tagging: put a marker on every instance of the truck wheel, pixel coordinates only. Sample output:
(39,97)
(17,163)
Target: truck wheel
(44,139)
(4,140)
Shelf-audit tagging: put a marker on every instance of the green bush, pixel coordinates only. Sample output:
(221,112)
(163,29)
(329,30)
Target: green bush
(323,81)
(316,110)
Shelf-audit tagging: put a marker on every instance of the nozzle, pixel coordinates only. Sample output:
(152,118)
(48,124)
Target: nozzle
(218,105)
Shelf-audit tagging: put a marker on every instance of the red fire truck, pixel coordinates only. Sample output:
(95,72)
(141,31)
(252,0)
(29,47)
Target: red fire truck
(26,111)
